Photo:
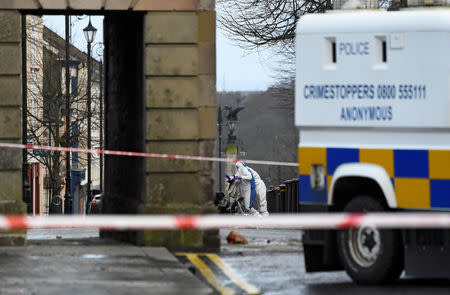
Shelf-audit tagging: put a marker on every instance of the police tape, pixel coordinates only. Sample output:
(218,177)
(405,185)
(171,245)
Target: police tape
(140,154)
(217,221)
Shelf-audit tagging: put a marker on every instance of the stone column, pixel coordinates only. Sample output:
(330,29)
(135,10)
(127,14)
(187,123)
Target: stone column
(181,119)
(124,116)
(11,122)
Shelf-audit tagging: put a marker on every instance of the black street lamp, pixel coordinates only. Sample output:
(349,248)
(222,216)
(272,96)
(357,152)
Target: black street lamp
(219,125)
(67,197)
(89,34)
(101,125)
(231,121)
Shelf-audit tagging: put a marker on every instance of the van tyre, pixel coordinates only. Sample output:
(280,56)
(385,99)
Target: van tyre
(370,255)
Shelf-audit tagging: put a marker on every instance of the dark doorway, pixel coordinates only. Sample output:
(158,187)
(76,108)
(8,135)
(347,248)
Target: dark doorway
(125,116)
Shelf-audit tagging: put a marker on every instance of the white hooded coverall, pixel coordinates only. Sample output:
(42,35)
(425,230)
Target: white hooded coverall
(252,188)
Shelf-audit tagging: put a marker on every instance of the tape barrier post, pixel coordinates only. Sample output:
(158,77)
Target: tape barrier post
(205,222)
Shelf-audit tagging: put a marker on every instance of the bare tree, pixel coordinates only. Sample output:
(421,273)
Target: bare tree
(266,23)
(271,24)
(46,112)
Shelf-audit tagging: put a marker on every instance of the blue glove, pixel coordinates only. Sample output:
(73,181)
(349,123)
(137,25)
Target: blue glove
(237,177)
(227,176)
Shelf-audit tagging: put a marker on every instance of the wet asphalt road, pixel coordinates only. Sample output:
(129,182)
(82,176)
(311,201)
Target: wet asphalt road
(273,262)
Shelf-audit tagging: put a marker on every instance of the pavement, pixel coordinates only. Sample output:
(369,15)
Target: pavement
(63,262)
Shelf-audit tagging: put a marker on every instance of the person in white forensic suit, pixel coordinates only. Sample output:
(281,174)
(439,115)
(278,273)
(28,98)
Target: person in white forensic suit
(252,188)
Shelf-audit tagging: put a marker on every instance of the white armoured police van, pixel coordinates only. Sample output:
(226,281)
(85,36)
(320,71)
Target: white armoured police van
(373,113)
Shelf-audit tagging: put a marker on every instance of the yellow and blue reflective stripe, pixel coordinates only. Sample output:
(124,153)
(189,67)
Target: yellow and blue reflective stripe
(421,178)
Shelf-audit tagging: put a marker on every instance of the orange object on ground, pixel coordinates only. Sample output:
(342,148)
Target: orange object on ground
(236,238)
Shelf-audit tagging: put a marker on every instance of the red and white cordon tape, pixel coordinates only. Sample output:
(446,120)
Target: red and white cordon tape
(205,222)
(139,154)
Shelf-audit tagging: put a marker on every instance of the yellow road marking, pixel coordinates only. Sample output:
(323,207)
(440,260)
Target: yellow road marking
(226,269)
(230,273)
(207,273)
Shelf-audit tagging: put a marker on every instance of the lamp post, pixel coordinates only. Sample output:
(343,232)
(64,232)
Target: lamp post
(89,34)
(101,125)
(219,125)
(97,51)
(231,150)
(67,196)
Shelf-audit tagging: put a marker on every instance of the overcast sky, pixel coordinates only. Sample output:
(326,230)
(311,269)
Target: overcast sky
(236,69)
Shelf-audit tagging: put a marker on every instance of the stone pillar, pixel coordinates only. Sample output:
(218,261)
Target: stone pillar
(181,119)
(124,116)
(11,122)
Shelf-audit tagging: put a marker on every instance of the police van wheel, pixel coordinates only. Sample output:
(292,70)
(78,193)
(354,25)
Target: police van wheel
(370,255)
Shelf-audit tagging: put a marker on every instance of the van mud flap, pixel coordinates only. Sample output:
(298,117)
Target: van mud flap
(427,252)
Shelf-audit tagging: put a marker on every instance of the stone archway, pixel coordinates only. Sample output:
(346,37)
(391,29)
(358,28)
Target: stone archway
(160,83)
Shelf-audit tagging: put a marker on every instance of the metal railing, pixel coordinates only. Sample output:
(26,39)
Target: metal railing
(284,198)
